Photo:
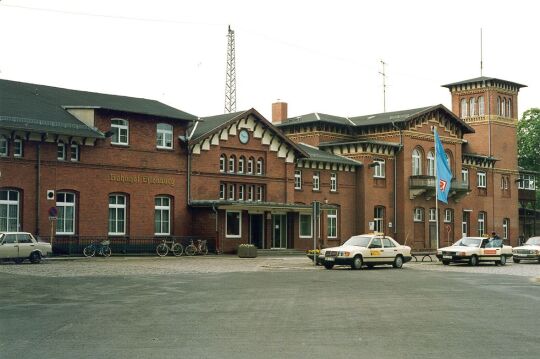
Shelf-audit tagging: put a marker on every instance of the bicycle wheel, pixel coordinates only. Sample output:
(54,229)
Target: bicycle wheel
(177,249)
(191,250)
(89,251)
(162,249)
(204,249)
(106,251)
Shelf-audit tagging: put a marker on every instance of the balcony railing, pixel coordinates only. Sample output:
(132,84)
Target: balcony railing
(425,185)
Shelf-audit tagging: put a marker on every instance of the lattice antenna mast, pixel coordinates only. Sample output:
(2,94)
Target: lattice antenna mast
(481,55)
(383,73)
(230,80)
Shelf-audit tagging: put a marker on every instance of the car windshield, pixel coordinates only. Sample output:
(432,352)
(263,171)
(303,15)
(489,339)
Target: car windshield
(357,241)
(469,242)
(533,241)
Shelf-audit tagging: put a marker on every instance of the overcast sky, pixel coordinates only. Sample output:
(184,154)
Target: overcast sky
(319,56)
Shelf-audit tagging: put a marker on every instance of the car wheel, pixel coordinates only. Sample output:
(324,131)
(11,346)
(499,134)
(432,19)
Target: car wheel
(446,263)
(328,265)
(18,260)
(35,257)
(473,261)
(357,262)
(398,262)
(516,260)
(502,261)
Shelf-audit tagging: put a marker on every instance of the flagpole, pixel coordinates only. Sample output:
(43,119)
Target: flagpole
(436,191)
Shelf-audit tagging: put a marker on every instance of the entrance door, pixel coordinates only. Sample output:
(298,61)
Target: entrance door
(279,231)
(256,230)
(433,235)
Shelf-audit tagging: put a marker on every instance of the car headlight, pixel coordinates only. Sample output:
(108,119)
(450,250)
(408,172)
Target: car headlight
(462,254)
(344,254)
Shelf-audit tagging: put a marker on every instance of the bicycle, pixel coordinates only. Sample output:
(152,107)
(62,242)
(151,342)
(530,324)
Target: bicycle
(199,248)
(101,249)
(165,246)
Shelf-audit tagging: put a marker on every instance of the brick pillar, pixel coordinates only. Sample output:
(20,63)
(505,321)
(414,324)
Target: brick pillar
(279,112)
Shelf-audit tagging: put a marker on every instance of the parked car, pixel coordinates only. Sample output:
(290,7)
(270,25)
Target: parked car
(529,251)
(18,246)
(366,249)
(474,250)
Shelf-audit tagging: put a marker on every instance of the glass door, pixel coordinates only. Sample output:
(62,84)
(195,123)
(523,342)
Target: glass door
(279,231)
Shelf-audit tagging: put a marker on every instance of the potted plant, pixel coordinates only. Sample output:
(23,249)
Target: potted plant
(313,254)
(247,251)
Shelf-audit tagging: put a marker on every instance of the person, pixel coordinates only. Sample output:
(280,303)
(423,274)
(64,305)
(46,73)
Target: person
(494,236)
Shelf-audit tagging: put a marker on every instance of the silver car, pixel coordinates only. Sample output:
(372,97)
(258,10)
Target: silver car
(18,246)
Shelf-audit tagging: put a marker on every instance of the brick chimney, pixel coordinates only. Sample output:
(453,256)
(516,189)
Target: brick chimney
(279,112)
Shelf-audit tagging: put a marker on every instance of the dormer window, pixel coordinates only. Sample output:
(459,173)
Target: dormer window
(120,129)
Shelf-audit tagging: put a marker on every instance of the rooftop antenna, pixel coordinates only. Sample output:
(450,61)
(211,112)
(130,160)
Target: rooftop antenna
(383,73)
(481,55)
(230,77)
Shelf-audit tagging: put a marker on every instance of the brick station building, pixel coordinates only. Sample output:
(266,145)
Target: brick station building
(125,168)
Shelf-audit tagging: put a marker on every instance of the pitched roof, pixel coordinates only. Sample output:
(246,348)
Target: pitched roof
(315,117)
(316,154)
(388,117)
(482,79)
(36,107)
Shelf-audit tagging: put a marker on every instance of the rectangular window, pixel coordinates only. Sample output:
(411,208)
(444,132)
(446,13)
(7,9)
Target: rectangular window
(241,163)
(378,219)
(9,211)
(432,215)
(61,152)
(18,148)
(74,153)
(3,146)
(481,223)
(232,161)
(233,224)
(332,223)
(241,192)
(164,136)
(526,182)
(316,181)
(379,171)
(481,179)
(305,226)
(251,192)
(162,216)
(65,203)
(297,179)
(222,189)
(231,192)
(506,225)
(260,193)
(117,214)
(448,218)
(333,182)
(418,215)
(120,130)
(465,176)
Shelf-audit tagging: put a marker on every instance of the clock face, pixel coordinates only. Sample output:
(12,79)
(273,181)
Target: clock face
(244,136)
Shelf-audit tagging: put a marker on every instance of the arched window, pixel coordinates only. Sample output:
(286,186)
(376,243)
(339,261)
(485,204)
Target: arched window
(164,136)
(464,108)
(472,106)
(250,165)
(509,108)
(65,203)
(498,106)
(449,159)
(162,215)
(503,107)
(3,146)
(431,163)
(117,214)
(232,163)
(120,130)
(241,164)
(416,162)
(481,110)
(260,163)
(222,163)
(9,210)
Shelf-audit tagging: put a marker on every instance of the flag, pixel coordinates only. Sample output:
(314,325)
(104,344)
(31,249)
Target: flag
(443,173)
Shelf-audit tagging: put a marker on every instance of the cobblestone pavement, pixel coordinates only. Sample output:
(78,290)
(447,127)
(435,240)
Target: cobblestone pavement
(128,266)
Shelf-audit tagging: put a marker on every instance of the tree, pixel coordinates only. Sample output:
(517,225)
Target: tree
(528,133)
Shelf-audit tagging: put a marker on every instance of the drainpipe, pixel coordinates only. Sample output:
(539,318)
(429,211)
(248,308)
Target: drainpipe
(38,186)
(395,175)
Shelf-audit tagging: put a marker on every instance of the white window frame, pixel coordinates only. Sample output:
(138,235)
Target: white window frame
(304,235)
(74,152)
(378,219)
(232,164)
(481,107)
(241,192)
(465,176)
(506,226)
(481,179)
(239,235)
(231,191)
(222,163)
(18,148)
(164,207)
(472,106)
(379,171)
(251,193)
(241,164)
(4,146)
(260,163)
(418,214)
(164,136)
(61,151)
(250,165)
(432,215)
(298,179)
(448,216)
(430,163)
(120,128)
(116,207)
(464,112)
(416,162)
(503,107)
(509,108)
(481,223)
(316,181)
(260,193)
(62,206)
(331,216)
(527,182)
(9,203)
(333,182)
(222,190)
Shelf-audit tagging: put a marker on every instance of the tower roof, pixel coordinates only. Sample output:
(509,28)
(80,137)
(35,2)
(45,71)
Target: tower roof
(484,79)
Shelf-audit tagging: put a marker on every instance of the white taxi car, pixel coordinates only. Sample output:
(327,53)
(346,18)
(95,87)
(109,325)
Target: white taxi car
(18,246)
(366,249)
(475,250)
(529,251)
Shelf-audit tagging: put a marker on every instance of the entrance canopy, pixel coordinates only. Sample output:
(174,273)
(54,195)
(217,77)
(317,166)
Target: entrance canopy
(254,206)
